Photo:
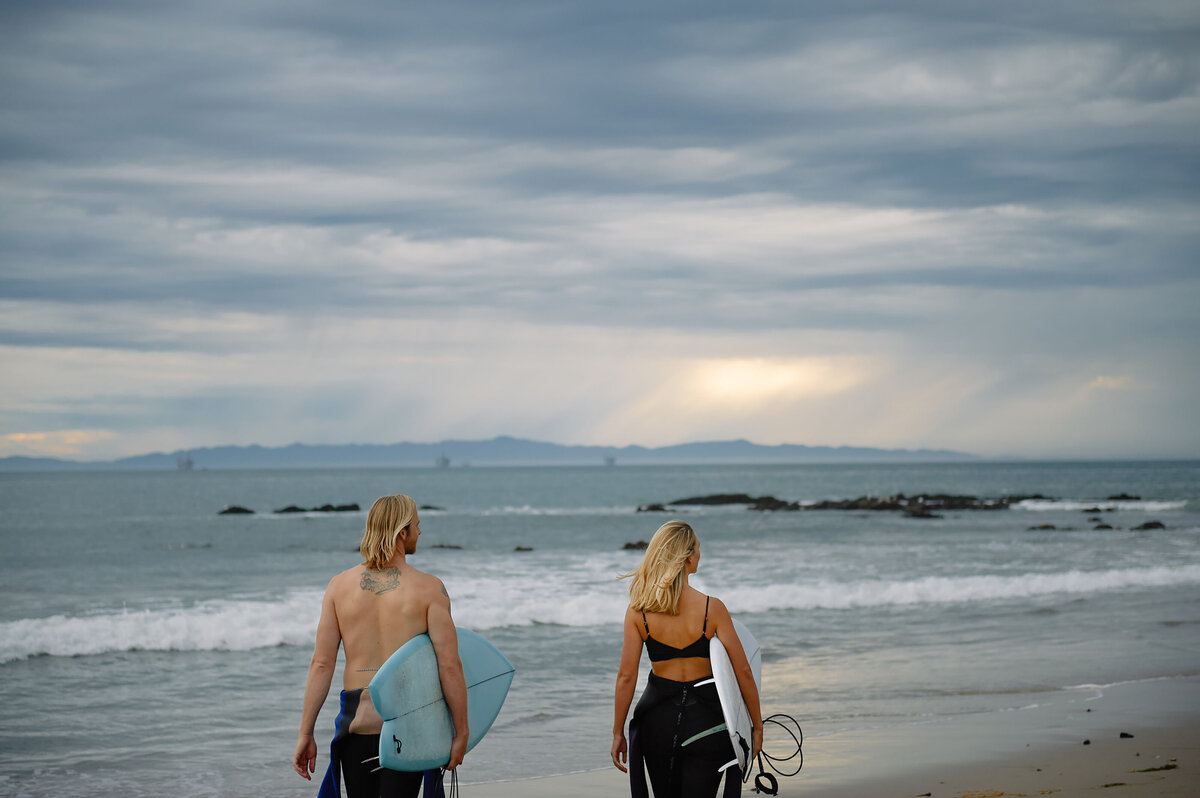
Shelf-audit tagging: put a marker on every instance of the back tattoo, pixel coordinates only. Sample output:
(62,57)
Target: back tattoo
(380,582)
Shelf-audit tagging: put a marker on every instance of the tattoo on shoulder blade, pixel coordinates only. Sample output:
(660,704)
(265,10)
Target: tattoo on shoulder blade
(380,582)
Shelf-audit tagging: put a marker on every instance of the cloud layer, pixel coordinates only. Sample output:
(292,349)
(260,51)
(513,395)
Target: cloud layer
(840,223)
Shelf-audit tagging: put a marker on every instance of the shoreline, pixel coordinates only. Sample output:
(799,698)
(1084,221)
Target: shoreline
(1039,750)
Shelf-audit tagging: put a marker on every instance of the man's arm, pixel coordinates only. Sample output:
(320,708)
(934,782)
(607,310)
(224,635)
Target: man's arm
(454,684)
(320,674)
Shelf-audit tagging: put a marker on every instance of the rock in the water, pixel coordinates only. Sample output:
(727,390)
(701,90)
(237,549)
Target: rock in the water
(234,509)
(861,503)
(1126,736)
(1149,525)
(770,503)
(716,498)
(1041,526)
(1098,527)
(639,545)
(523,548)
(1124,497)
(324,508)
(445,546)
(430,507)
(919,511)
(651,508)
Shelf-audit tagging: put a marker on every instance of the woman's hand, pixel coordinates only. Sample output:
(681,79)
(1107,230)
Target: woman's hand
(620,751)
(756,740)
(304,761)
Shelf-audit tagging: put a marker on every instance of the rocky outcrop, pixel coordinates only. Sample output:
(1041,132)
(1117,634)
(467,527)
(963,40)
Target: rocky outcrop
(638,545)
(324,508)
(752,502)
(770,503)
(234,509)
(716,498)
(1149,525)
(1124,497)
(924,505)
(929,502)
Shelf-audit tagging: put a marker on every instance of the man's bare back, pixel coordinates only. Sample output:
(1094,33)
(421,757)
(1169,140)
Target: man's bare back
(378,611)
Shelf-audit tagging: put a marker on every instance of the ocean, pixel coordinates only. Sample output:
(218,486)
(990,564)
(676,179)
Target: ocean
(150,646)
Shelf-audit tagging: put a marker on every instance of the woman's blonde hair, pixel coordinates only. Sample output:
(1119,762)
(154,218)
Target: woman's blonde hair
(389,516)
(658,581)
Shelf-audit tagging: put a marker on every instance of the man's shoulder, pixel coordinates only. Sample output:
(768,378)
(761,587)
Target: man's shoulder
(350,576)
(426,580)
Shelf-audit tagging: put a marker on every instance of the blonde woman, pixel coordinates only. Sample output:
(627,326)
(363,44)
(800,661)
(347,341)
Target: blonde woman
(678,731)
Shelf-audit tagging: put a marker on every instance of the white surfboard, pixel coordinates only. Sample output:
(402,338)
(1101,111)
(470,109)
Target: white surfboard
(407,693)
(737,716)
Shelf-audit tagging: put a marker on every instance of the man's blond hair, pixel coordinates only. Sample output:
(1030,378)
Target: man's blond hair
(389,516)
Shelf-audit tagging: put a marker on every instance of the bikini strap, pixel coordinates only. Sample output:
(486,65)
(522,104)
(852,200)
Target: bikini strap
(645,624)
(703,629)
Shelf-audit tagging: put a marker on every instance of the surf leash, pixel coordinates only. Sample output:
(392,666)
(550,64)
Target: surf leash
(454,783)
(765,782)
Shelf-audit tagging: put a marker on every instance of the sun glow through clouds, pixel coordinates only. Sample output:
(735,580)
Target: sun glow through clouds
(751,381)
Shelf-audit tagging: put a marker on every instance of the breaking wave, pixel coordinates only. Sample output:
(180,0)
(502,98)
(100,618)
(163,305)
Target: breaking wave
(492,602)
(1045,505)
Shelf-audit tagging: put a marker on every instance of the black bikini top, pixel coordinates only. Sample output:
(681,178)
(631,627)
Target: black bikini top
(661,651)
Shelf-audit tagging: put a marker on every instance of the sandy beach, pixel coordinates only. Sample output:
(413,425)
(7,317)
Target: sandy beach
(984,756)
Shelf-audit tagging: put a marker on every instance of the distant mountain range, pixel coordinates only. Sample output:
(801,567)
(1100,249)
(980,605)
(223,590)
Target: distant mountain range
(501,451)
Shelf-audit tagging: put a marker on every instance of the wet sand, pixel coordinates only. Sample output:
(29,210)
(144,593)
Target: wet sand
(1035,751)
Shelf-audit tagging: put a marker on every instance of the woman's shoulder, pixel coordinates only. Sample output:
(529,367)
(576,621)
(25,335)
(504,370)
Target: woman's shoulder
(716,607)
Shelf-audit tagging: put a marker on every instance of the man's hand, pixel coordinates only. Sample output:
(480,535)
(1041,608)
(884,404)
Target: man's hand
(305,760)
(458,750)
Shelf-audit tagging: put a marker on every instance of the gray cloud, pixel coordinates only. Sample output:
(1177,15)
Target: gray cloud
(206,201)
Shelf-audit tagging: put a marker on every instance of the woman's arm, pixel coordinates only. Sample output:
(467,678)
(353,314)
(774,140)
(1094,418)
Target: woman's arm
(320,674)
(741,669)
(631,655)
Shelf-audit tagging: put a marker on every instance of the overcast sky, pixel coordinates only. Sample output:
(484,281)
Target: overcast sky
(958,225)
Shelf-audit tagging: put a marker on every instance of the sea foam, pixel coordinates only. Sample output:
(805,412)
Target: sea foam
(1046,505)
(488,603)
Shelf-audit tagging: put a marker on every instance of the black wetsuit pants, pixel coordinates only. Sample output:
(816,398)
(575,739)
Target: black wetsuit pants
(679,732)
(362,783)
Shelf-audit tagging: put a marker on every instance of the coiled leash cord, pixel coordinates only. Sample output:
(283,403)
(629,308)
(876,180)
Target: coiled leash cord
(765,782)
(453,783)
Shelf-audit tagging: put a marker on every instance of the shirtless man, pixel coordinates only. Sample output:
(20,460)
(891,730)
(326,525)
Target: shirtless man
(372,609)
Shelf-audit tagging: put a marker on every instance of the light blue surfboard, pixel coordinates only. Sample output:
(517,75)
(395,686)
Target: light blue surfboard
(407,693)
(737,716)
